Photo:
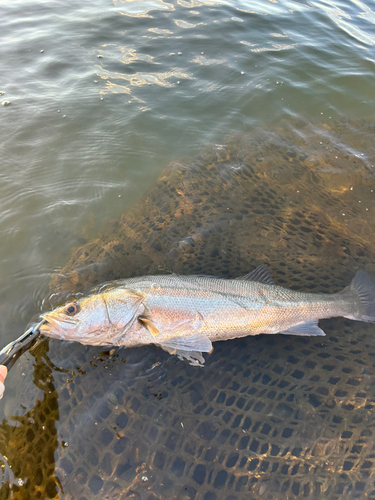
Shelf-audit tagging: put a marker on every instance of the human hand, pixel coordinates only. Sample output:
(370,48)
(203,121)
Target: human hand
(3,374)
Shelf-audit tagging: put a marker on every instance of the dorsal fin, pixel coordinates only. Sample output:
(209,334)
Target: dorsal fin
(261,274)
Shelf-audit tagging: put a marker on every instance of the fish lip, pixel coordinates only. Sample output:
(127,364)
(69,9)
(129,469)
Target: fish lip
(50,317)
(54,325)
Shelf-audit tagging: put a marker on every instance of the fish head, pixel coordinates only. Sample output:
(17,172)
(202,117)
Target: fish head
(98,319)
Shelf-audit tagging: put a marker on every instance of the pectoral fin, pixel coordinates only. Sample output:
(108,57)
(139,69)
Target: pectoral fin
(147,323)
(189,347)
(305,329)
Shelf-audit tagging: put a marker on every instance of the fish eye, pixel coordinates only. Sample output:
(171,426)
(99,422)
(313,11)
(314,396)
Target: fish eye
(72,309)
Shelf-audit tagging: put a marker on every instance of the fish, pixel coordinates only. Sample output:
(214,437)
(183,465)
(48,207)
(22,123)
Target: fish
(184,315)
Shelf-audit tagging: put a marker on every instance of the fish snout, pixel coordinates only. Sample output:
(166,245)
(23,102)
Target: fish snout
(57,327)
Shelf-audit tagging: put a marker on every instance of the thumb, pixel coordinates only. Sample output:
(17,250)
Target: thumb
(3,374)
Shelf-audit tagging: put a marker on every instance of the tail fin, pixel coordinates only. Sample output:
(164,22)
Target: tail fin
(363,289)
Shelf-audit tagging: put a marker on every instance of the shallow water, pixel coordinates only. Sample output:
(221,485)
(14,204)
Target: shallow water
(103,96)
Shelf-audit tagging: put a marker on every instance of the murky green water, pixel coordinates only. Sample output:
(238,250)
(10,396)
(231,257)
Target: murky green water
(98,99)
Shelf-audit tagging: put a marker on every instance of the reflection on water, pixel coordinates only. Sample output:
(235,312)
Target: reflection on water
(345,17)
(269,416)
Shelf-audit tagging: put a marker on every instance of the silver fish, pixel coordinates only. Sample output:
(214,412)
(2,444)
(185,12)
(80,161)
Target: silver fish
(185,314)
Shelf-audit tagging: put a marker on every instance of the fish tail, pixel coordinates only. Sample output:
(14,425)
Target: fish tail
(362,290)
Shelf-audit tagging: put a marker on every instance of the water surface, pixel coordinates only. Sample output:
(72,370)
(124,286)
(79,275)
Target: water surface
(103,96)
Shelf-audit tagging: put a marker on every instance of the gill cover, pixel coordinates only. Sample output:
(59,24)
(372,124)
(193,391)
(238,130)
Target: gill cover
(98,319)
(123,306)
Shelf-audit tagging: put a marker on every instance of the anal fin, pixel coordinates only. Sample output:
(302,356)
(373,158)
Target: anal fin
(309,328)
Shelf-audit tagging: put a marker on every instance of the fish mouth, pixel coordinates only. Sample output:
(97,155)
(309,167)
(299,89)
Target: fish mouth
(56,326)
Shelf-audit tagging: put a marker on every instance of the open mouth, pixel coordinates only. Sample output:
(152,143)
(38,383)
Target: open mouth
(55,326)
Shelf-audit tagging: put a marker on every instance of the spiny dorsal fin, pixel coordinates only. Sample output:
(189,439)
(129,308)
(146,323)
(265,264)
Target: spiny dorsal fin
(261,274)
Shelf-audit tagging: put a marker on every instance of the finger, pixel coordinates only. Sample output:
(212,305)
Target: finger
(3,373)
